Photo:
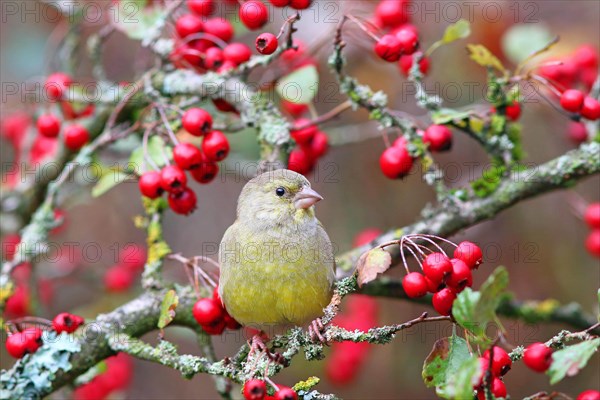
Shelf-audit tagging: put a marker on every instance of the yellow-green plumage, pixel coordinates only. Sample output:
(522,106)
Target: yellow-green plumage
(277,264)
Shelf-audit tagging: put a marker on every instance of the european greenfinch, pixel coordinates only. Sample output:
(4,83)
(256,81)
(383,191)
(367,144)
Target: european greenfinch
(277,264)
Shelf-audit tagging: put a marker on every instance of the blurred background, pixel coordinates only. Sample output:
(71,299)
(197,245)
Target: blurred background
(540,241)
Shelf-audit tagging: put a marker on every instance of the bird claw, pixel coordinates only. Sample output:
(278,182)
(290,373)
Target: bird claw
(315,331)
(258,345)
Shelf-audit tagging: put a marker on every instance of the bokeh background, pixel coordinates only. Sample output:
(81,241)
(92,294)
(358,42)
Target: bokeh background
(540,241)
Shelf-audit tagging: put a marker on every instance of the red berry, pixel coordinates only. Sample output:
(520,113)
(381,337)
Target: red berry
(65,322)
(215,329)
(213,58)
(538,357)
(16,345)
(207,311)
(391,13)
(318,146)
(572,100)
(76,136)
(434,287)
(586,57)
(254,14)
(237,53)
(197,121)
(205,172)
(223,105)
(304,135)
(266,43)
(230,322)
(564,73)
(438,137)
(150,184)
(408,39)
(406,62)
(227,66)
(442,301)
(589,395)
(133,256)
(590,109)
(57,84)
(48,125)
(285,393)
(366,236)
(592,215)
(17,305)
(592,243)
(9,245)
(395,162)
(436,266)
(388,48)
(293,54)
(294,109)
(188,25)
(577,132)
(513,111)
(215,146)
(501,363)
(187,156)
(498,389)
(414,285)
(173,179)
(220,28)
(484,364)
(202,8)
(470,253)
(118,279)
(300,161)
(460,277)
(183,202)
(255,389)
(300,4)
(280,3)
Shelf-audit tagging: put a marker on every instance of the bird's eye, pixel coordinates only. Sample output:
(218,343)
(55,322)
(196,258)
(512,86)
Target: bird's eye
(280,191)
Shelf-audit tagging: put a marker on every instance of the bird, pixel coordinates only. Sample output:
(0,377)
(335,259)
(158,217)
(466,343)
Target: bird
(277,266)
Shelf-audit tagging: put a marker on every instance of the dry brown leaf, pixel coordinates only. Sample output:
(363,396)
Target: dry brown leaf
(371,264)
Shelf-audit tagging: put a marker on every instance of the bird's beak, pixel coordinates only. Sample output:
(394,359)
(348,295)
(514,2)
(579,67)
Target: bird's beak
(306,198)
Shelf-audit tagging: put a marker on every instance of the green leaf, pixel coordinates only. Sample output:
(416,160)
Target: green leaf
(109,181)
(167,309)
(371,264)
(445,115)
(157,151)
(474,310)
(458,30)
(570,360)
(482,56)
(461,380)
(137,21)
(300,86)
(522,40)
(445,357)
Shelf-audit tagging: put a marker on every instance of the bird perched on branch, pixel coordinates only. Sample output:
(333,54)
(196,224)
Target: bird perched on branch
(277,265)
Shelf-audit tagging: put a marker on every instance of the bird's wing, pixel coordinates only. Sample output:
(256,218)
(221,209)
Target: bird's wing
(327,250)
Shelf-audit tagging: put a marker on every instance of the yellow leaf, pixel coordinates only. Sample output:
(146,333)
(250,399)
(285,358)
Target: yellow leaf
(482,56)
(371,264)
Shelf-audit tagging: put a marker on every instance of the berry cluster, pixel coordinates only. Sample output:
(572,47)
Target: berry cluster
(210,313)
(200,162)
(115,378)
(576,101)
(579,68)
(121,276)
(312,144)
(500,365)
(442,276)
(29,340)
(256,389)
(592,218)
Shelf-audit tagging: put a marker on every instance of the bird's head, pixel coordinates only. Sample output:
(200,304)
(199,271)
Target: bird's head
(276,196)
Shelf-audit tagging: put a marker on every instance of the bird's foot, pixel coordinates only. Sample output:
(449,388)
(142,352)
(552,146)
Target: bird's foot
(315,331)
(258,345)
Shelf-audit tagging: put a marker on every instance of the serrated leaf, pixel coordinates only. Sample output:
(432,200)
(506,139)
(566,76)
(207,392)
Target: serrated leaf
(461,380)
(570,360)
(109,181)
(474,310)
(520,41)
(167,309)
(458,30)
(157,151)
(482,56)
(445,357)
(445,115)
(371,264)
(300,86)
